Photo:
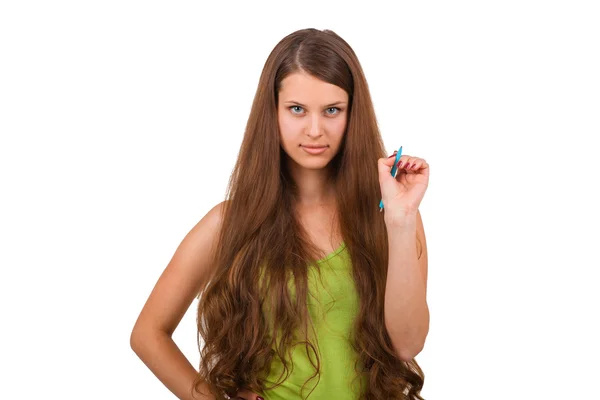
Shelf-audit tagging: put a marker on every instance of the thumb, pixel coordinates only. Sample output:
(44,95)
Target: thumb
(385,165)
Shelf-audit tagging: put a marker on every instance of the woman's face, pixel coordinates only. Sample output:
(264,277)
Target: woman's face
(311,112)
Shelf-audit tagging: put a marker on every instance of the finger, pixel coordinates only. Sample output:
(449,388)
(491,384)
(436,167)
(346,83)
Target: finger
(389,161)
(421,163)
(404,161)
(399,170)
(416,164)
(384,167)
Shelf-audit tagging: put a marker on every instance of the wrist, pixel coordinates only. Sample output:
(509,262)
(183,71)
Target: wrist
(401,219)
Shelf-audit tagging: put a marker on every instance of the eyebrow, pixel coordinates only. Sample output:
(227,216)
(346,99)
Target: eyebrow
(328,105)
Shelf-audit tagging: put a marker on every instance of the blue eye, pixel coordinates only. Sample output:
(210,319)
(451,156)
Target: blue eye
(299,110)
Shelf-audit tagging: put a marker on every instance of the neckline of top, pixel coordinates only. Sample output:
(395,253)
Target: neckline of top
(334,253)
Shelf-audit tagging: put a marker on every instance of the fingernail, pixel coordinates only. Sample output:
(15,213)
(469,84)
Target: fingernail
(259,398)
(395,152)
(400,164)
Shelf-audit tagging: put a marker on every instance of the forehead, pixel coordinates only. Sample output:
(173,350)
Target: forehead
(307,89)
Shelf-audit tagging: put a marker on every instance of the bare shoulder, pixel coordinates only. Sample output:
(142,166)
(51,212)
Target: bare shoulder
(185,275)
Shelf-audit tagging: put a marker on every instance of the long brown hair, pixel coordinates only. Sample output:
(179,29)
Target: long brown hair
(261,228)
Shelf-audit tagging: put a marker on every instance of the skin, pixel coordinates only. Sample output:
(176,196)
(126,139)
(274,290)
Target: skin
(406,310)
(311,120)
(310,111)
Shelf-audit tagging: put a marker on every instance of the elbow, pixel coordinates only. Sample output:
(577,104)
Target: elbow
(408,353)
(135,341)
(138,339)
(413,347)
(407,346)
(407,350)
(143,338)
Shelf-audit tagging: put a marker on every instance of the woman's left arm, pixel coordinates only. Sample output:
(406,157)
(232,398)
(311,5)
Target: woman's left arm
(405,307)
(406,311)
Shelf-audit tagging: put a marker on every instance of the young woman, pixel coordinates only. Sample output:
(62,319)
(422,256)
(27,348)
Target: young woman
(305,288)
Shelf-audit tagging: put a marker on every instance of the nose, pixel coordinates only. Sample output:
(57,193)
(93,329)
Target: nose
(315,129)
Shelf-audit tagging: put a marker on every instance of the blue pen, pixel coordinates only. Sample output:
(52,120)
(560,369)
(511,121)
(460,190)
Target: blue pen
(394,168)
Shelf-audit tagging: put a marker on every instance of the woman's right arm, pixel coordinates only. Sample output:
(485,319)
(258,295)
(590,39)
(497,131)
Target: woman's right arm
(183,278)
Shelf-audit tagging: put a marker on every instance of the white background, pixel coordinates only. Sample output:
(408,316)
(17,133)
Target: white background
(120,123)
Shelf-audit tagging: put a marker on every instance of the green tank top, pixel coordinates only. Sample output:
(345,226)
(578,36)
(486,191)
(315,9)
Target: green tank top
(333,304)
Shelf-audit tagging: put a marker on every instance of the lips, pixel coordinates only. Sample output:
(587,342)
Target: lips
(314,150)
(312,146)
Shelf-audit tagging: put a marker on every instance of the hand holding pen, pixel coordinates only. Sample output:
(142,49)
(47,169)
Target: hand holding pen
(403,180)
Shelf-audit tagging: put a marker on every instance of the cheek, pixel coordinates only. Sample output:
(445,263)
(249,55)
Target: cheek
(340,124)
(285,134)
(288,127)
(337,127)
